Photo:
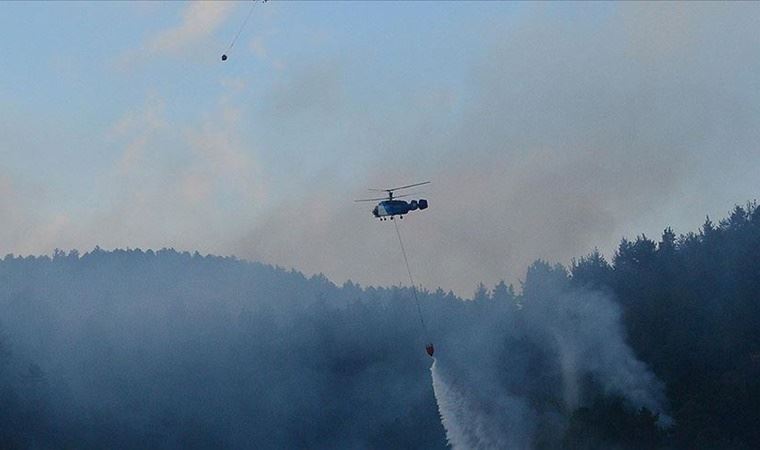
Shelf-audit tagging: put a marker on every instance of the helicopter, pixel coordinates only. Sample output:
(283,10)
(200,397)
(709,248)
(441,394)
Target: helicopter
(389,207)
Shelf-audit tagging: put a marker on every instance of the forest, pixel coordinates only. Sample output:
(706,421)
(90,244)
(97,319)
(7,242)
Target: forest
(657,347)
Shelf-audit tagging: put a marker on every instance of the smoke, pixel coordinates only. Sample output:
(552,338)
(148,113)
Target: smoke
(546,133)
(515,382)
(584,330)
(224,351)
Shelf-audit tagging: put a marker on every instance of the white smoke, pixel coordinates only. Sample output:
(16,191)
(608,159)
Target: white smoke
(583,328)
(518,380)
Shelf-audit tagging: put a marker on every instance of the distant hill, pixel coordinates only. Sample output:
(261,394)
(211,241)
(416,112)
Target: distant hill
(167,349)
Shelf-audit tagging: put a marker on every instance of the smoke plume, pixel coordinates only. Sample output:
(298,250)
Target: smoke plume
(514,383)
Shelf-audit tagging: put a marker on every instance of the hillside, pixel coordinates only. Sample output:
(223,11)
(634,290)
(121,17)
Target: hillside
(143,349)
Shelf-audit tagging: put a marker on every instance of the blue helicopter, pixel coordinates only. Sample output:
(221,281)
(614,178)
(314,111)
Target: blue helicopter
(388,207)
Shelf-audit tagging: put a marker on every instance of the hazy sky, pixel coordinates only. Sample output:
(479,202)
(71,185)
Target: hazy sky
(547,129)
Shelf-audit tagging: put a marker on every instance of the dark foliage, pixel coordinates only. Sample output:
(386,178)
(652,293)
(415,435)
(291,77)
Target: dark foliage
(143,349)
(607,423)
(692,312)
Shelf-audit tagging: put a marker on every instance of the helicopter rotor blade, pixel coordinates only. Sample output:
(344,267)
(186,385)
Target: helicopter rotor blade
(408,186)
(400,187)
(409,194)
(386,198)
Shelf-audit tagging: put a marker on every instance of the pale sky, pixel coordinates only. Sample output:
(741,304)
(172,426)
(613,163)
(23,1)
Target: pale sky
(546,129)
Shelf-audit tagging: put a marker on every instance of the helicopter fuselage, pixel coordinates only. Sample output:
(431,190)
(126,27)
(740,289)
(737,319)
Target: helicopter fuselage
(391,208)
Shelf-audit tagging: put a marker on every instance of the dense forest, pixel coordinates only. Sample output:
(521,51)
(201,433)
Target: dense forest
(656,348)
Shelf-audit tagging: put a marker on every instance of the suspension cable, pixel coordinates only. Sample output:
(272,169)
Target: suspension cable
(234,40)
(411,280)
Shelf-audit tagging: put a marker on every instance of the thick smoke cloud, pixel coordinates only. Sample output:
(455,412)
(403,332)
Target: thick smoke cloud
(133,349)
(569,132)
(562,130)
(130,349)
(514,382)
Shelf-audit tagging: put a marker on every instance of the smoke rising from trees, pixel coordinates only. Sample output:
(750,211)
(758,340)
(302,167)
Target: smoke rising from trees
(136,349)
